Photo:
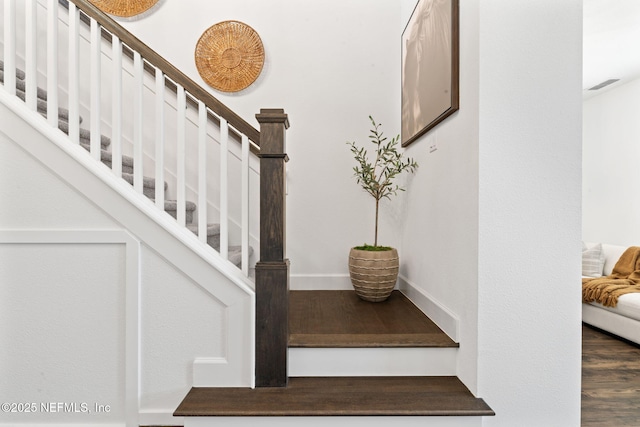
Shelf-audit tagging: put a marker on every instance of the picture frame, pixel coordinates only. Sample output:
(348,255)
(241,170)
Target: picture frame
(430,67)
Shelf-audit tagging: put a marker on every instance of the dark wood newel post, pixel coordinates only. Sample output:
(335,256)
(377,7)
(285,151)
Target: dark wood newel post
(272,271)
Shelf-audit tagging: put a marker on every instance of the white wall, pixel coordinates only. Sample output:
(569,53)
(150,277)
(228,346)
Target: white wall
(611,131)
(529,211)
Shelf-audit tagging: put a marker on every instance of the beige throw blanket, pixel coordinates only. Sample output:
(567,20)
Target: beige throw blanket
(624,279)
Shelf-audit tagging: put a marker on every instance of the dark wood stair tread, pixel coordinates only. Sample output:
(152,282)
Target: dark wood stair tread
(339,396)
(341,319)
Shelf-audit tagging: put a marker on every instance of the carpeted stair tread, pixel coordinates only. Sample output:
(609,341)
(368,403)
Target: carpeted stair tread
(235,254)
(213,234)
(213,240)
(212,229)
(19,73)
(106,158)
(173,205)
(22,85)
(148,184)
(85,135)
(146,181)
(63,113)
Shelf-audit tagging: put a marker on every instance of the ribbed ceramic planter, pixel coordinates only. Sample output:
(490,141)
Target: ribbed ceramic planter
(373,273)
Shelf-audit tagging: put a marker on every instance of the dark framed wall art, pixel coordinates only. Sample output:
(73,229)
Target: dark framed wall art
(430,67)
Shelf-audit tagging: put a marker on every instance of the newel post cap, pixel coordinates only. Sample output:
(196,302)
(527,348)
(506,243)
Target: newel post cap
(273,115)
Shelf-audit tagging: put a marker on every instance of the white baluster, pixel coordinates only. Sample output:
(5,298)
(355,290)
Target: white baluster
(74,73)
(96,79)
(245,205)
(202,172)
(116,106)
(10,46)
(159,139)
(52,63)
(30,58)
(224,189)
(181,155)
(138,71)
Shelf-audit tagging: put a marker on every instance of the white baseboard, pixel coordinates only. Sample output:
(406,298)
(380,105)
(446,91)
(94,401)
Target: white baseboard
(441,315)
(314,282)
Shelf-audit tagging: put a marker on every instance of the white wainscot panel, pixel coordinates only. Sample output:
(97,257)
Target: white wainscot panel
(64,335)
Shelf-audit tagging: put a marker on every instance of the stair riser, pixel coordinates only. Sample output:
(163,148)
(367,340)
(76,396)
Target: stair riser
(214,241)
(337,362)
(409,421)
(151,193)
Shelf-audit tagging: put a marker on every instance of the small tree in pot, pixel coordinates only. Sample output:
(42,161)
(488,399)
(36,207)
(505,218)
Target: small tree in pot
(373,268)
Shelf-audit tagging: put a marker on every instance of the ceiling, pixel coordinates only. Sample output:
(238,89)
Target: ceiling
(611,43)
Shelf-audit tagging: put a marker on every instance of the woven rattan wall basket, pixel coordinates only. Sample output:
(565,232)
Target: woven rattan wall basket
(124,8)
(229,56)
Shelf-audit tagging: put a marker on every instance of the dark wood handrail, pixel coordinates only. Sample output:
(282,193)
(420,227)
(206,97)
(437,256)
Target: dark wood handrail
(169,70)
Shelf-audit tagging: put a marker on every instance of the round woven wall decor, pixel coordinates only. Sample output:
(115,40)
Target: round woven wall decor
(229,56)
(124,8)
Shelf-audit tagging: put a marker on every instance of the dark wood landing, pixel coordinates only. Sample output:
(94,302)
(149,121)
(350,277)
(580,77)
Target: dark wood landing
(332,396)
(341,319)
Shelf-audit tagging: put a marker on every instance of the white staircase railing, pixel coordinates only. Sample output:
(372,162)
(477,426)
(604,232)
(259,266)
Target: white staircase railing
(125,98)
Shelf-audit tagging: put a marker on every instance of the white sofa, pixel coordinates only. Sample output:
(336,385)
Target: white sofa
(622,320)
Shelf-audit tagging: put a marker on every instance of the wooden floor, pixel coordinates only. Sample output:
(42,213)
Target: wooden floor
(341,319)
(610,381)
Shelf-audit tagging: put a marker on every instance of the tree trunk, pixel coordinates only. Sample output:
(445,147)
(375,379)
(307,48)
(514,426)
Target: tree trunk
(375,243)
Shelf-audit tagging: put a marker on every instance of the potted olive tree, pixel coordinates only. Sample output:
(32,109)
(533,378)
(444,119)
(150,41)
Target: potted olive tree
(373,268)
